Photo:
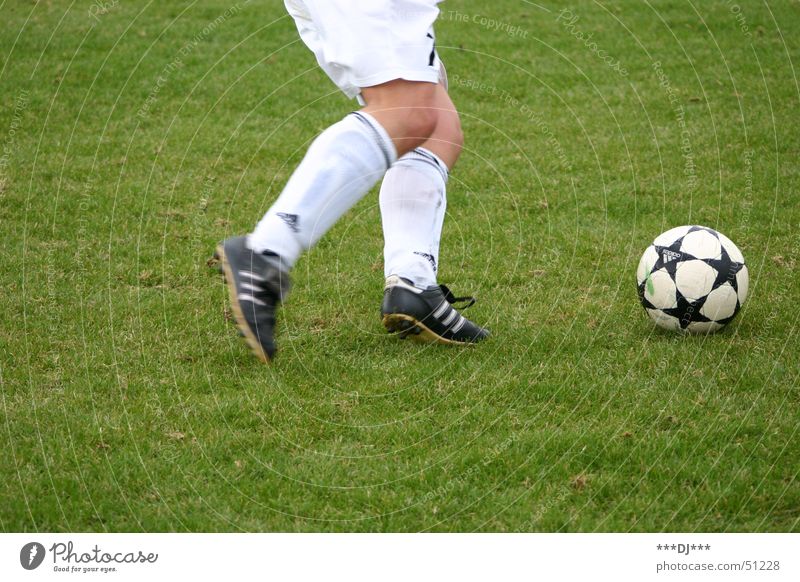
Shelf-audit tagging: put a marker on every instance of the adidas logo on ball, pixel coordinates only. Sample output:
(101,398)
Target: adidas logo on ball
(668,255)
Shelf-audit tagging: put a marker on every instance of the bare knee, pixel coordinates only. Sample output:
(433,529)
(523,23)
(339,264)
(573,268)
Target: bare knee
(418,124)
(407,110)
(422,120)
(447,139)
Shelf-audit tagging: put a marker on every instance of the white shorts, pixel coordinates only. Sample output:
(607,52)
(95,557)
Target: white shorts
(362,43)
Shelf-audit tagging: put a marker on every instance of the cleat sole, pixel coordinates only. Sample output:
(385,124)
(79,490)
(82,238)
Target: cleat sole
(406,326)
(241,323)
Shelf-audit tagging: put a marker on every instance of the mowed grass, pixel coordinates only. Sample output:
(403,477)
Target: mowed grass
(136,136)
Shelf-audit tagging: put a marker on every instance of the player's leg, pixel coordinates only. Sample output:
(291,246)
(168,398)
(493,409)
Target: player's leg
(413,202)
(340,166)
(383,52)
(413,199)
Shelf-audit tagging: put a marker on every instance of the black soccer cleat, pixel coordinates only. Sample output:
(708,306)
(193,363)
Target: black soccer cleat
(427,315)
(256,285)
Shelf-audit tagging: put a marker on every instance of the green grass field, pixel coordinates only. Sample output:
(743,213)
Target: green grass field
(135,136)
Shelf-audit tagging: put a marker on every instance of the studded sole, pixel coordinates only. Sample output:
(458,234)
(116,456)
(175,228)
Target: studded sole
(406,326)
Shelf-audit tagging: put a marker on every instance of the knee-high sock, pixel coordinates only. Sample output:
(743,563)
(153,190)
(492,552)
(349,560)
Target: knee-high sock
(413,201)
(341,165)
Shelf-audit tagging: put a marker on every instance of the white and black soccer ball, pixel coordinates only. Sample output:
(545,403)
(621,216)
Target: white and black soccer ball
(692,278)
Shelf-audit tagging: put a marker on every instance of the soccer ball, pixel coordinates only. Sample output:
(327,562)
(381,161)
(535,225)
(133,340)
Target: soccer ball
(692,278)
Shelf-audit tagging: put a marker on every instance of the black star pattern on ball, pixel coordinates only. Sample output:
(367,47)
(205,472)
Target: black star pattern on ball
(670,257)
(687,311)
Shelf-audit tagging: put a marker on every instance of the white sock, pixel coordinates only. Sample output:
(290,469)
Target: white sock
(341,165)
(413,202)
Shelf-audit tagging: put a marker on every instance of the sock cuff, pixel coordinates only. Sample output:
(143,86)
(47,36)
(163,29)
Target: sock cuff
(426,156)
(382,138)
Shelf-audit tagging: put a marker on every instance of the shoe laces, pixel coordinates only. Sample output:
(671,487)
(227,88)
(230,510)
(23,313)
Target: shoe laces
(452,299)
